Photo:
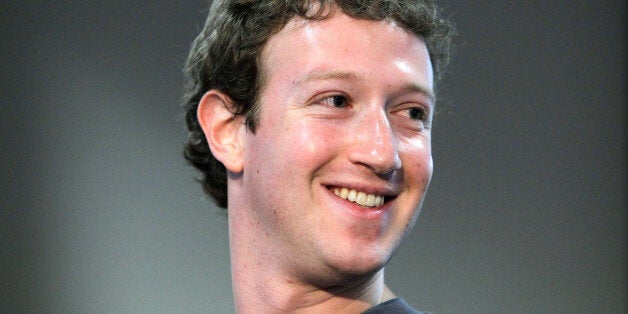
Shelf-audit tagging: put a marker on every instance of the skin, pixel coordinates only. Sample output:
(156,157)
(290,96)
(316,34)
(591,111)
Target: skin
(346,103)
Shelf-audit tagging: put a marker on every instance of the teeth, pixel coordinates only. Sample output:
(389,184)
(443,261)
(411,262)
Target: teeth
(361,198)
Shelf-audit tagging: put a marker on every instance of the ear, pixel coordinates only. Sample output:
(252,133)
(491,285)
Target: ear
(222,129)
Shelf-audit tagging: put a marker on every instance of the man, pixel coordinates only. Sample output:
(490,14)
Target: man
(311,123)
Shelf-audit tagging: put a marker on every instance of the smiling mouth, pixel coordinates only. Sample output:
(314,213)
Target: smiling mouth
(360,198)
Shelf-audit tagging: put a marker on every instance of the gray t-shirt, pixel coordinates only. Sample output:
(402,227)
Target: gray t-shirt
(393,306)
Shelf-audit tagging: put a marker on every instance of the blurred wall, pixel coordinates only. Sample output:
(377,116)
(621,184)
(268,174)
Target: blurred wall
(100,214)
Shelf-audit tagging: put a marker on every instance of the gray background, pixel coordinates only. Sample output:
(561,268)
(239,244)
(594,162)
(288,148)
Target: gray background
(100,214)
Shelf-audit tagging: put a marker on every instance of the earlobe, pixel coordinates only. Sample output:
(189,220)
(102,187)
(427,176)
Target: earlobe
(223,130)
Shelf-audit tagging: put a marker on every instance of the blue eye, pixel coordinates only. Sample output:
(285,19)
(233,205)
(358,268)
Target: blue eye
(416,114)
(334,101)
(338,101)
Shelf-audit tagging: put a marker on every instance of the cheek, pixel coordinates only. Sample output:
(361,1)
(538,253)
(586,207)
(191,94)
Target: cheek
(417,155)
(289,151)
(310,142)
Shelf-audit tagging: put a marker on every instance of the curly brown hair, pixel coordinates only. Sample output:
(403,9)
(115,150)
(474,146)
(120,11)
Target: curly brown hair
(226,56)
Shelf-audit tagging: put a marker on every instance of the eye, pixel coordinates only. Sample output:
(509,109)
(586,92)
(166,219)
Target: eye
(417,118)
(336,101)
(416,113)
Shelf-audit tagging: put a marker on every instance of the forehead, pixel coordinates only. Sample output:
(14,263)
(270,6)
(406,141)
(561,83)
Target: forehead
(342,43)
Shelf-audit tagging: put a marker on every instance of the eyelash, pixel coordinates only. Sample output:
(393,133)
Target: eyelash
(333,100)
(414,111)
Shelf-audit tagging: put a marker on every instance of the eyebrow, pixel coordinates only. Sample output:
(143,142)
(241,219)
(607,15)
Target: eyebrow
(420,89)
(327,75)
(342,75)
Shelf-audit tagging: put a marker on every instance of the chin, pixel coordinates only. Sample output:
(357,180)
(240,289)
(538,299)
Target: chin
(360,263)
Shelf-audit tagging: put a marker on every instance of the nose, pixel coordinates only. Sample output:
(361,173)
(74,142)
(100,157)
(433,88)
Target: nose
(374,144)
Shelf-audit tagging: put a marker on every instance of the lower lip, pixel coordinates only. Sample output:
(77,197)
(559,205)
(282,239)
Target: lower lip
(361,212)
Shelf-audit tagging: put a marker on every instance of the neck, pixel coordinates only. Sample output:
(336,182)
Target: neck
(262,283)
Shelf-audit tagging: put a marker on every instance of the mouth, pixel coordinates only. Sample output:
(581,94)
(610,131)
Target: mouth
(361,198)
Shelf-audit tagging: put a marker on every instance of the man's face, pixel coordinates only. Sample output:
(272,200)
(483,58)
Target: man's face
(339,165)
